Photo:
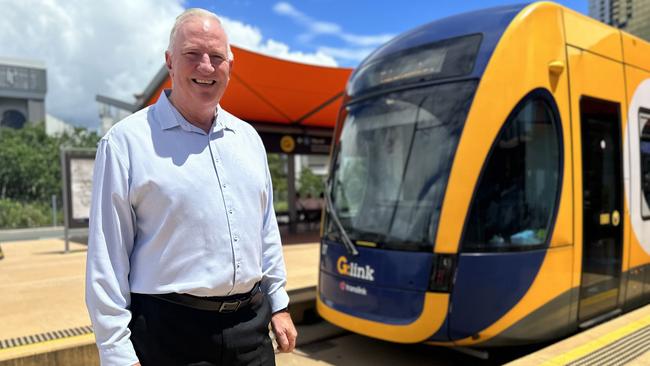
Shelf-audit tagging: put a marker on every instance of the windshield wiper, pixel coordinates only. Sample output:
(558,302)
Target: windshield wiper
(332,211)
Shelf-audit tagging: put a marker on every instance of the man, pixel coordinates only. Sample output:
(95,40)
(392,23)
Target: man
(184,256)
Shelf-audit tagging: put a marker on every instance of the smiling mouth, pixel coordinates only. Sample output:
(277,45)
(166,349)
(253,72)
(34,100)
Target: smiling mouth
(204,82)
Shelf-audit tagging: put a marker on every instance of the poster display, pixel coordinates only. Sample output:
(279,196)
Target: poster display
(81,185)
(77,168)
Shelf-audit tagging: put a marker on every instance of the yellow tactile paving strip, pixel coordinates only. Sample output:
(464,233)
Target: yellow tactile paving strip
(42,290)
(599,343)
(592,340)
(44,337)
(47,346)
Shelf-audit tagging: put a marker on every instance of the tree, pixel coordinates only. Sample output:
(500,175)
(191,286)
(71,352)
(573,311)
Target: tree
(310,183)
(30,169)
(277,163)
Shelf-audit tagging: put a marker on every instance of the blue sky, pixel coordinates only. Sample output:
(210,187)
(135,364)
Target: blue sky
(115,47)
(362,18)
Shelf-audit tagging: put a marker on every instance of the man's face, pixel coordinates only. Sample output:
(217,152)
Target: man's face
(198,64)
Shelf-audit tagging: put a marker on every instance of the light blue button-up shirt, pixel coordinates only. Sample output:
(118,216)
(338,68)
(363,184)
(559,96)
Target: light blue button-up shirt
(176,209)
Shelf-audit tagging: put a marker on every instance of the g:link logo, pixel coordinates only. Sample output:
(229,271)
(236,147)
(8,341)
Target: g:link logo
(352,269)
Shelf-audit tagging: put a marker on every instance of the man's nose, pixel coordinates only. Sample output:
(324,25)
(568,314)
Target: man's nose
(205,65)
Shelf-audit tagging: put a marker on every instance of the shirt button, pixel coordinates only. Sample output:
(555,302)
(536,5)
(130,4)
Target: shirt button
(235,238)
(230,211)
(224,185)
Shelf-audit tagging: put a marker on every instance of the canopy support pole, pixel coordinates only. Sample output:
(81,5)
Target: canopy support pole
(291,187)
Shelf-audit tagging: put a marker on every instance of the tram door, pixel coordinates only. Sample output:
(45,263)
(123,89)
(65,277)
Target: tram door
(597,90)
(602,207)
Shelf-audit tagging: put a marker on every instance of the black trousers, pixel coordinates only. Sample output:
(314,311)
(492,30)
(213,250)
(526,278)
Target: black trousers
(165,333)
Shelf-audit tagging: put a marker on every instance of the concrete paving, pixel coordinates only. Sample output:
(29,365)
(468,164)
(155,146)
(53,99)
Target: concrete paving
(42,288)
(358,350)
(42,291)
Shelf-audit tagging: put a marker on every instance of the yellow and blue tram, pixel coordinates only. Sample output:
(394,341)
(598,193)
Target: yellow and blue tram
(490,181)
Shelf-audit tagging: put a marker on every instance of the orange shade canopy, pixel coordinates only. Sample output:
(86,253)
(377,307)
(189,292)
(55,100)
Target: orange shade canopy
(266,89)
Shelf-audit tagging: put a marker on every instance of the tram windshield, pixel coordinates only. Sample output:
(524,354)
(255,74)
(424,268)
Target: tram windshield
(393,161)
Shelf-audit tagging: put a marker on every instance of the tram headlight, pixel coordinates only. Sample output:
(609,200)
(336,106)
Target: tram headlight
(442,273)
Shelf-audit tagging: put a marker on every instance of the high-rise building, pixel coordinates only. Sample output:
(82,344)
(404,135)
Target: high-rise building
(633,16)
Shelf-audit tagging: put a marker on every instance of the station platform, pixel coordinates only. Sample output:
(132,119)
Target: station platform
(624,340)
(43,316)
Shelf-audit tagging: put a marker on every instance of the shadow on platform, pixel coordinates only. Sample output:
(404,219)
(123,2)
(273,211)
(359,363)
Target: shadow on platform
(300,237)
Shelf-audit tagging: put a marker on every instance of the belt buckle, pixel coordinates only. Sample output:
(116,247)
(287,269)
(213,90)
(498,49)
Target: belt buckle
(229,306)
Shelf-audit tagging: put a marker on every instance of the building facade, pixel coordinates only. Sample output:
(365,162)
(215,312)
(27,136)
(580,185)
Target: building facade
(633,16)
(23,86)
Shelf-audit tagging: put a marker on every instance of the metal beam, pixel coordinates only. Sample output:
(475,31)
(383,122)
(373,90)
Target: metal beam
(291,195)
(116,103)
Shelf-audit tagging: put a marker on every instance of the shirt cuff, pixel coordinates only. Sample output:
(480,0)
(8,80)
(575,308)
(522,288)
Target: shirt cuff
(118,355)
(279,300)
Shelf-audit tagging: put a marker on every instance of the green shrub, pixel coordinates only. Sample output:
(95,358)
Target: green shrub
(30,173)
(310,183)
(14,214)
(281,206)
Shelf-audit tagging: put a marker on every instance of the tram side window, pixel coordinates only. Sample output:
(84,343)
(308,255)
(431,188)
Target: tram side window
(517,192)
(644,127)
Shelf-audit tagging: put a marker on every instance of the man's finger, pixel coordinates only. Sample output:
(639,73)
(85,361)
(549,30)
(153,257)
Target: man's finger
(292,341)
(283,342)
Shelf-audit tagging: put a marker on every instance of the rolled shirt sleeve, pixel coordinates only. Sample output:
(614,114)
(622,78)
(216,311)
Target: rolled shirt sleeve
(110,242)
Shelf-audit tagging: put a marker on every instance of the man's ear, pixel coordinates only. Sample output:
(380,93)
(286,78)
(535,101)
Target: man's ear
(168,61)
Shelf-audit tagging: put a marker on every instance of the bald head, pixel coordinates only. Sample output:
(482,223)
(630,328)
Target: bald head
(195,13)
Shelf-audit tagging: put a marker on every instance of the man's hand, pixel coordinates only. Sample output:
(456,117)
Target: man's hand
(284,330)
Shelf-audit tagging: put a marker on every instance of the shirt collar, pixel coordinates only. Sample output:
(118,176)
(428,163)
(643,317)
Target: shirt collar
(223,121)
(169,117)
(165,112)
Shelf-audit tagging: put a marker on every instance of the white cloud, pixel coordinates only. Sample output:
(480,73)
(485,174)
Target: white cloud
(355,55)
(249,37)
(89,48)
(109,47)
(316,27)
(367,40)
(287,9)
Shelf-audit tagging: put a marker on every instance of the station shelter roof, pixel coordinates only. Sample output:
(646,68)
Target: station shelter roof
(268,90)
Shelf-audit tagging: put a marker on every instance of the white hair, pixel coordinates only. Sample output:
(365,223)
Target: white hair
(196,13)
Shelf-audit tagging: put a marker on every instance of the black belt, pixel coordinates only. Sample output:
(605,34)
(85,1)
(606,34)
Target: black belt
(225,304)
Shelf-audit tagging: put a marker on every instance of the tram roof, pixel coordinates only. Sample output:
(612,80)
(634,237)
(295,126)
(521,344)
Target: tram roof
(491,23)
(265,89)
